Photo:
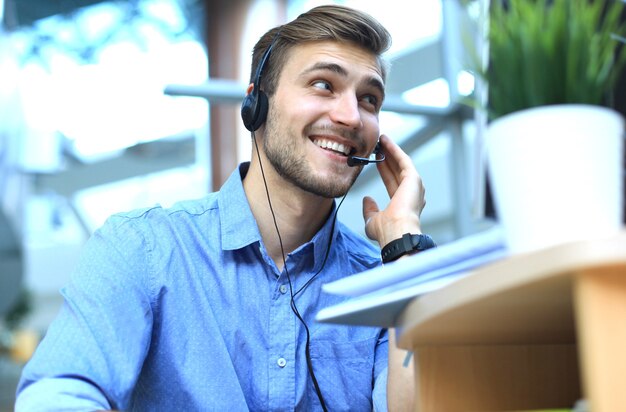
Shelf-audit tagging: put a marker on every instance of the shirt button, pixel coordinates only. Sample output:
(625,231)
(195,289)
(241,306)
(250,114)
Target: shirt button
(281,362)
(283,289)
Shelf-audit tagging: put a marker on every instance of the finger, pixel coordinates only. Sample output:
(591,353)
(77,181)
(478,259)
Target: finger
(397,168)
(400,163)
(370,209)
(400,159)
(390,170)
(388,176)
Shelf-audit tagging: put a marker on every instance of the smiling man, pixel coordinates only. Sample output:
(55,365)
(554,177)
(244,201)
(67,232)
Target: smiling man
(211,304)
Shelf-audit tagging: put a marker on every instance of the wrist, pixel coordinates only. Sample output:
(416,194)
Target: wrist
(393,232)
(407,244)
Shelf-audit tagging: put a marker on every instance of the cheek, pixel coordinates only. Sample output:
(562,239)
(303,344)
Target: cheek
(371,128)
(292,110)
(306,109)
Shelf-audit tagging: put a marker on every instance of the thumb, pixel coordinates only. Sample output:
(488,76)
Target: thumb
(370,209)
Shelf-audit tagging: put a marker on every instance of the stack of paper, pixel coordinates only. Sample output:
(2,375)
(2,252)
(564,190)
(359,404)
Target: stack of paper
(379,295)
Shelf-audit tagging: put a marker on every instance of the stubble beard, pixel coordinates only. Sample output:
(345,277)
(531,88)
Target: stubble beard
(281,149)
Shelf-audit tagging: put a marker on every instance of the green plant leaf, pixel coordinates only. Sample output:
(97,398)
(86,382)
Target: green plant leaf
(549,52)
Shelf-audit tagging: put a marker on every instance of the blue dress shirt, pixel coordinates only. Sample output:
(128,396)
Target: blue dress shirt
(183,309)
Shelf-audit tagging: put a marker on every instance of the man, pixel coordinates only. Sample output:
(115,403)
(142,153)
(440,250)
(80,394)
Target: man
(211,305)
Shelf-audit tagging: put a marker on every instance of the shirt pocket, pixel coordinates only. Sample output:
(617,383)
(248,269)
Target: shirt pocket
(345,373)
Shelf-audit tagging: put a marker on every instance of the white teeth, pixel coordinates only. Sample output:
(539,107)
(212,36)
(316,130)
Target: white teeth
(337,147)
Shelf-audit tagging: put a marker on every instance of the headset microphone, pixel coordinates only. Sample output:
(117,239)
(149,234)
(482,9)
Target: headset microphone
(358,161)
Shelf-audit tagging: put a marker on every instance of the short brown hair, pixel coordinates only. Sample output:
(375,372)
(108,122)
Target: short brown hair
(330,22)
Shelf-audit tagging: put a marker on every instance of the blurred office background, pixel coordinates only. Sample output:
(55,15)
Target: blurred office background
(107,106)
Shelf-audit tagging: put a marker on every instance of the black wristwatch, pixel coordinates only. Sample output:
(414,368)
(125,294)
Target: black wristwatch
(408,243)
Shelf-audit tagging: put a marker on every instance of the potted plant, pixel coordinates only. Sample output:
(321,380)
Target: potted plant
(554,145)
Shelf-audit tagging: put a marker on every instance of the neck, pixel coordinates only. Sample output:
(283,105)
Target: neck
(299,214)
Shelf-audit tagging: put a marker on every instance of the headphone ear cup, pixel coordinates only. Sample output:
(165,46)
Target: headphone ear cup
(260,115)
(254,110)
(248,107)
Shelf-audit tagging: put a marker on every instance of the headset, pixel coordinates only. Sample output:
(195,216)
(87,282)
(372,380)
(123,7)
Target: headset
(254,106)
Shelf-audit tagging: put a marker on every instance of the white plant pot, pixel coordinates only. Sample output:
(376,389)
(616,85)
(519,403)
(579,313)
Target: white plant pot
(556,174)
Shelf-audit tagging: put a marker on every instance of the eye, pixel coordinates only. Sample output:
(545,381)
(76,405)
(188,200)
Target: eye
(371,100)
(322,84)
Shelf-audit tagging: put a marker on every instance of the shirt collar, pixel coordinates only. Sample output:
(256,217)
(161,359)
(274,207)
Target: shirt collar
(239,228)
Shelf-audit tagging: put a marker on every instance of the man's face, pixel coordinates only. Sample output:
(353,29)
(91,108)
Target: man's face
(325,107)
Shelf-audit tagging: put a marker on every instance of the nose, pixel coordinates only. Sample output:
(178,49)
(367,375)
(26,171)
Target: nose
(346,112)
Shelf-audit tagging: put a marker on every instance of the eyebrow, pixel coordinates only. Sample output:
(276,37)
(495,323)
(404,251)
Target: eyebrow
(336,68)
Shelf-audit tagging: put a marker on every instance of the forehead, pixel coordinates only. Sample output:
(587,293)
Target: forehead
(357,61)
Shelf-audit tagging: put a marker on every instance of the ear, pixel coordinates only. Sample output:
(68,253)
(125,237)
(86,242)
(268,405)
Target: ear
(250,88)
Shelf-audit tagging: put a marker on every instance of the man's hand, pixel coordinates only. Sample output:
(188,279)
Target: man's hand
(406,191)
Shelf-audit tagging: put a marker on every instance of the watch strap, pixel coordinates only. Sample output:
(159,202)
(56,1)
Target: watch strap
(408,243)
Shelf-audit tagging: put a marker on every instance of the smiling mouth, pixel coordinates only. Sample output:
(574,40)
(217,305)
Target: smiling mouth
(335,147)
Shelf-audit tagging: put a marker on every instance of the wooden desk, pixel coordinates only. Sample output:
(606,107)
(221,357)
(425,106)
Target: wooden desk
(538,330)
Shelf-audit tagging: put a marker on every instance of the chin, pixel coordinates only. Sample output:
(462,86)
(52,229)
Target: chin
(337,187)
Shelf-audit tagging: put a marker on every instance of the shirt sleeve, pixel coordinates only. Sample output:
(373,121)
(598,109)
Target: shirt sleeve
(379,393)
(93,351)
